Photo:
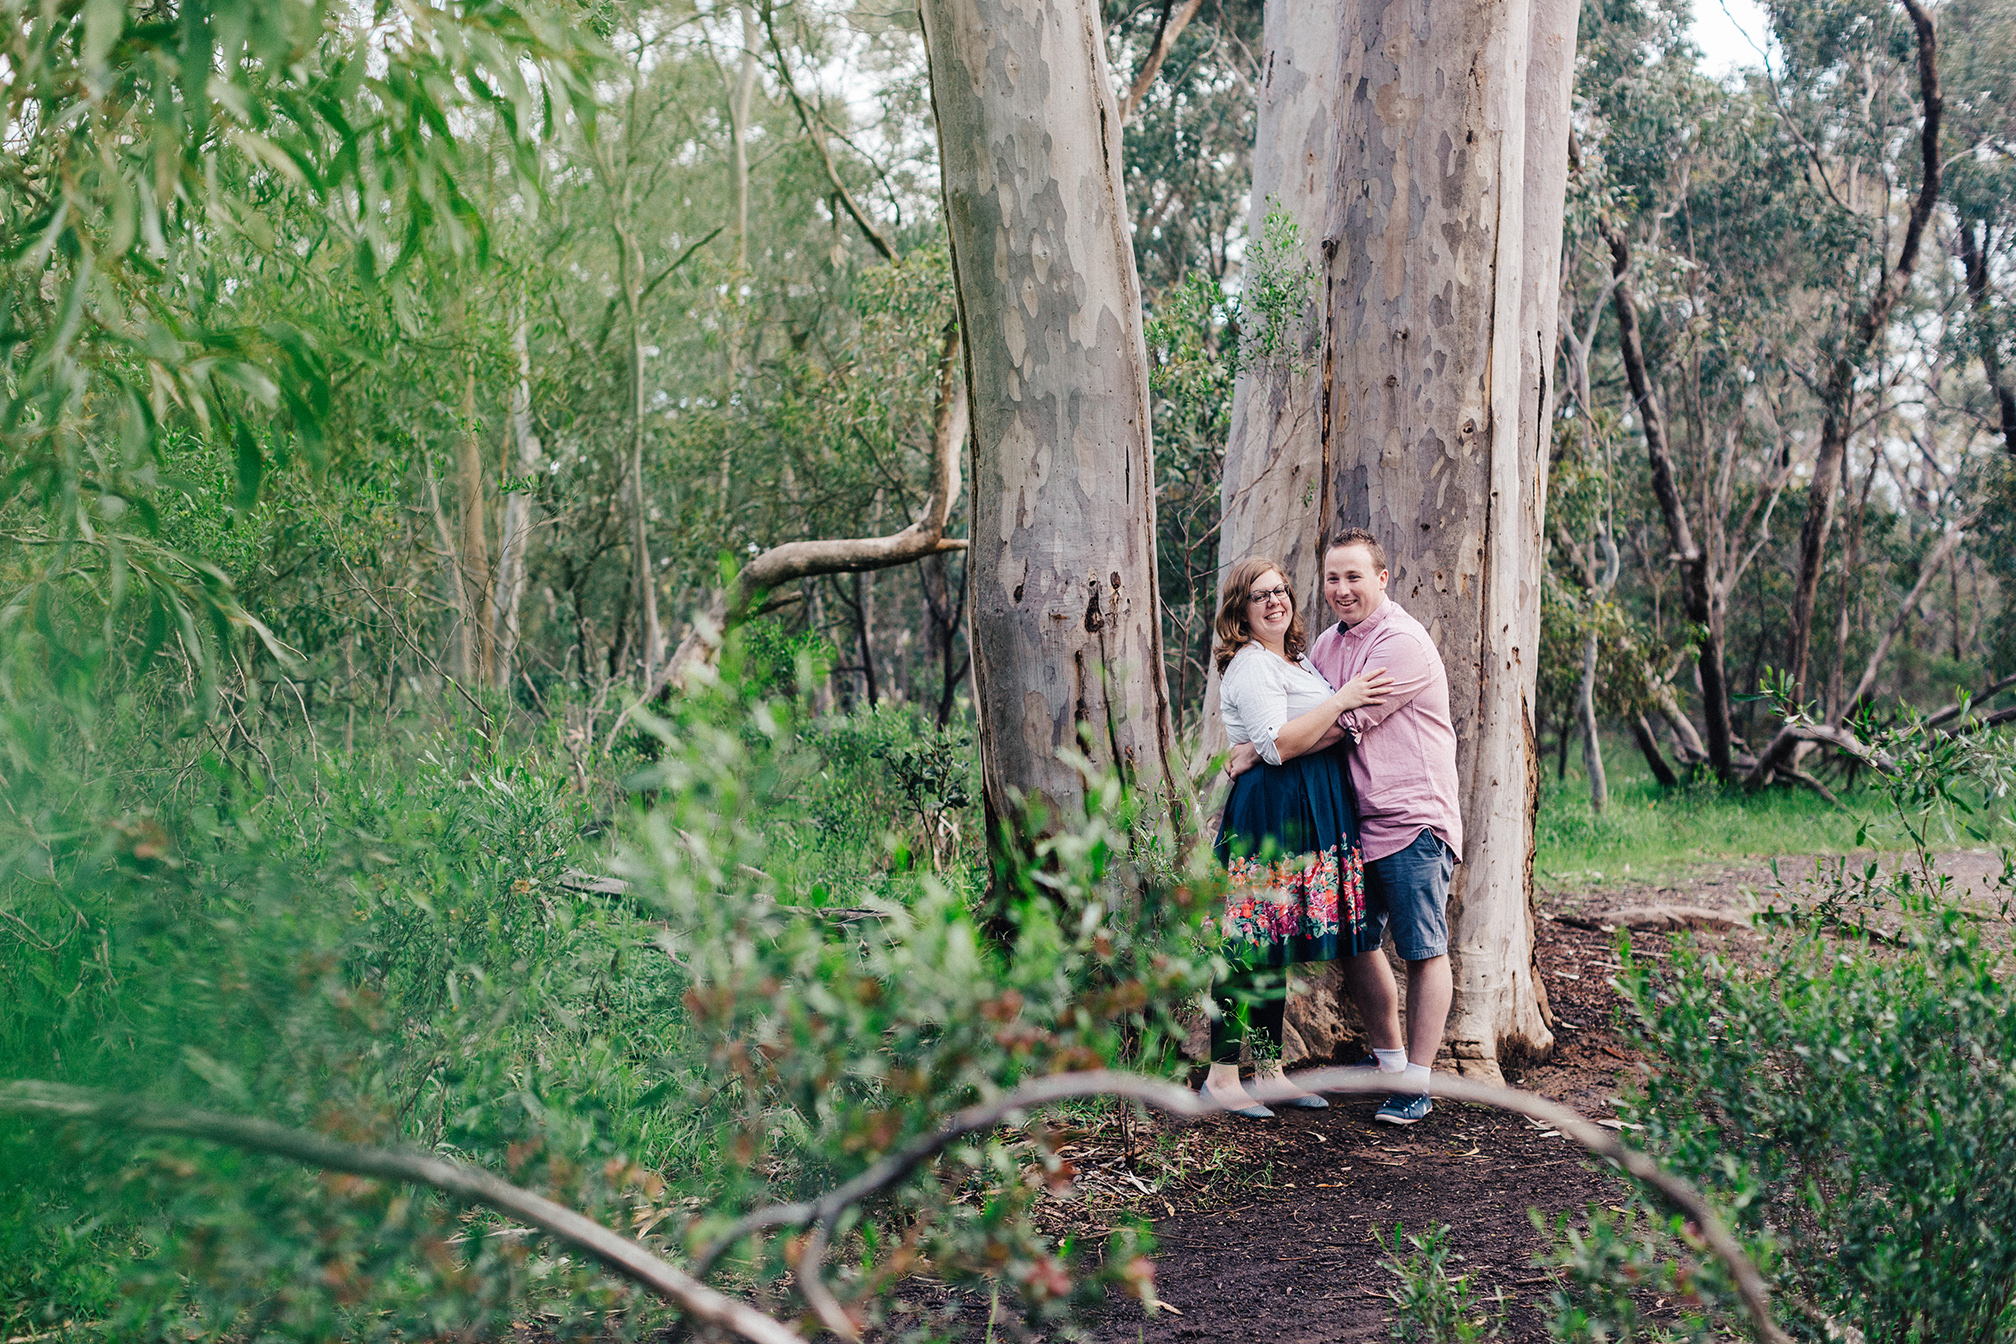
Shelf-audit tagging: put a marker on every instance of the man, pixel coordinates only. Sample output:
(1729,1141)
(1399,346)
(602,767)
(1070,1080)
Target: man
(1403,768)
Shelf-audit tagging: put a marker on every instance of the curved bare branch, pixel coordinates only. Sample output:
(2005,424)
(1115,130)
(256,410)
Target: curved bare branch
(457,1179)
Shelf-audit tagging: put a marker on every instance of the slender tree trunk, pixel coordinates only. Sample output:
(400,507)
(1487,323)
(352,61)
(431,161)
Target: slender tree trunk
(475,531)
(1585,700)
(1844,609)
(643,576)
(1697,585)
(1066,630)
(1174,21)
(1974,262)
(514,530)
(741,99)
(1648,747)
(1441,311)
(1838,397)
(461,632)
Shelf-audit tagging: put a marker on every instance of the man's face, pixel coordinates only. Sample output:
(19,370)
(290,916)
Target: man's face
(1352,587)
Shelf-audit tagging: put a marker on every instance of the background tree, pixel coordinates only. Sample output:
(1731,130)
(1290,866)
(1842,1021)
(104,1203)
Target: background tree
(1067,632)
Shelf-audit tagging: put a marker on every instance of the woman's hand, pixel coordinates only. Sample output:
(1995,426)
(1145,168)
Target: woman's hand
(1369,689)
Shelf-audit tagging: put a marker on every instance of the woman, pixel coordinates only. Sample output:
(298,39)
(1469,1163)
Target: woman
(1289,836)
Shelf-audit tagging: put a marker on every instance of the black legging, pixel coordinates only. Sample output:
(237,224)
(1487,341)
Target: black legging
(1251,1003)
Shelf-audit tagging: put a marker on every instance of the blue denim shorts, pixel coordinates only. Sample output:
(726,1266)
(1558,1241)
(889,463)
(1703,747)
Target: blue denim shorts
(1409,893)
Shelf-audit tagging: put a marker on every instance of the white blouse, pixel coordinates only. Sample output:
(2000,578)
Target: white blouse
(1260,692)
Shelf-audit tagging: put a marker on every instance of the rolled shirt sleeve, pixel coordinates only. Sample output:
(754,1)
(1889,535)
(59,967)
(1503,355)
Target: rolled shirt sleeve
(1253,703)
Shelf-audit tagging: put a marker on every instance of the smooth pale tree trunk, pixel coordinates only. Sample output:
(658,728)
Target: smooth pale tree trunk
(1442,301)
(1066,637)
(1585,695)
(1275,490)
(514,530)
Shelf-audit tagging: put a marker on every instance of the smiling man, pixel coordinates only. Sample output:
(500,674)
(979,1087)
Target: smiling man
(1403,768)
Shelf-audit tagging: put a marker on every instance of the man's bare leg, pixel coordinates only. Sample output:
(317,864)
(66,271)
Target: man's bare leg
(1430,988)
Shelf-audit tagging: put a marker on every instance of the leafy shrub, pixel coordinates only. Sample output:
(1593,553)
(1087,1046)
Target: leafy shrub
(1855,1110)
(1432,1306)
(402,958)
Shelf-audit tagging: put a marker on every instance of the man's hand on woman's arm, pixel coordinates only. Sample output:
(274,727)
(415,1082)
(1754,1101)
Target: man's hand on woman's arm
(1319,727)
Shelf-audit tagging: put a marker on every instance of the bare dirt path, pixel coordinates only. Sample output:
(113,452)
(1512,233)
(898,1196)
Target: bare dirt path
(1276,1234)
(1298,1259)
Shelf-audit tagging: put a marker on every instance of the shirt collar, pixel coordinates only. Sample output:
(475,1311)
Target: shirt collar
(1372,622)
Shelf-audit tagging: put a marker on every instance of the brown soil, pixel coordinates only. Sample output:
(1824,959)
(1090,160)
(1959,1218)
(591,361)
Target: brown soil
(1277,1230)
(1297,1258)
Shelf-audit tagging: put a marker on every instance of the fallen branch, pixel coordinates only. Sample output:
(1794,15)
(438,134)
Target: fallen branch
(457,1179)
(1954,536)
(794,560)
(1947,713)
(1776,758)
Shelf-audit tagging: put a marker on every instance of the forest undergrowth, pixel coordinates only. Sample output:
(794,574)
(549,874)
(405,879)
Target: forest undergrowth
(746,953)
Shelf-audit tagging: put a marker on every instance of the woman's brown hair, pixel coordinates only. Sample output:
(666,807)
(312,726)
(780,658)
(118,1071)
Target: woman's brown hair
(1234,631)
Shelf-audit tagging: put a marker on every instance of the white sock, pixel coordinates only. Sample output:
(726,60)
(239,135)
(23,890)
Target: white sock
(1415,1079)
(1391,1061)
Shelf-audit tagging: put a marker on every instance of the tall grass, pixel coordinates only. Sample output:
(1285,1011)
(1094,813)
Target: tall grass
(1650,832)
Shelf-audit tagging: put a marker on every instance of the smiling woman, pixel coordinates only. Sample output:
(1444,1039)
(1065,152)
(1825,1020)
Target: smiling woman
(1290,832)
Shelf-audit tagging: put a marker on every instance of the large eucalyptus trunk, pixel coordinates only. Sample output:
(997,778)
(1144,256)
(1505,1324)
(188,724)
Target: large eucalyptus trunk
(1066,639)
(1443,292)
(1436,152)
(1276,482)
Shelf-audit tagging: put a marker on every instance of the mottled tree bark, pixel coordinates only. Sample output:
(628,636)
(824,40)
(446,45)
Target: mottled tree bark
(1065,635)
(1276,478)
(1442,300)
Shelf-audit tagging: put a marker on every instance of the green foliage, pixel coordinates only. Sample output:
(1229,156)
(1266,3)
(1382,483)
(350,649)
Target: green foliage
(1835,1099)
(1277,323)
(390,945)
(1431,1306)
(150,151)
(1846,1102)
(1610,1267)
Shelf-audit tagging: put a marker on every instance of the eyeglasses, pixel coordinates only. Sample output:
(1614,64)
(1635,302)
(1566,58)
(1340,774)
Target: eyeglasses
(1267,594)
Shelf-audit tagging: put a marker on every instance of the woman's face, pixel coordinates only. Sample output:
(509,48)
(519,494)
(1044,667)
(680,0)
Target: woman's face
(1269,608)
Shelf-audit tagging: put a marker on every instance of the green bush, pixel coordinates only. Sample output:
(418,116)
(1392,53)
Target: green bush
(385,947)
(1856,1110)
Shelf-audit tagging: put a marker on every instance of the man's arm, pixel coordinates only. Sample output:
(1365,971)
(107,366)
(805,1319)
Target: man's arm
(1244,757)
(1412,671)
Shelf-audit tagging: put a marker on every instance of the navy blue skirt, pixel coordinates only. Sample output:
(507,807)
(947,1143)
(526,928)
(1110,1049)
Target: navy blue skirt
(1289,839)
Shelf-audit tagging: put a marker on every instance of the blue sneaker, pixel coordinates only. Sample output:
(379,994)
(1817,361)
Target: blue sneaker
(1401,1109)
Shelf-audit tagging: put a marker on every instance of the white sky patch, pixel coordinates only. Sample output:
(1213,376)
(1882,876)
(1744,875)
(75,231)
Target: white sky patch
(1733,35)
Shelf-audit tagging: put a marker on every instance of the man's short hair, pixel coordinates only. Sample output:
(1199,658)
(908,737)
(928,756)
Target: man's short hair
(1357,536)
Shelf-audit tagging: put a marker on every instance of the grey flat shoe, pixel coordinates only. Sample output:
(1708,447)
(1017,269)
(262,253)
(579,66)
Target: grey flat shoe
(1248,1112)
(1312,1102)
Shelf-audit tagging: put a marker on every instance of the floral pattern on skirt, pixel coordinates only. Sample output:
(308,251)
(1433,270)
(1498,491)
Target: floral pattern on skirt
(1308,907)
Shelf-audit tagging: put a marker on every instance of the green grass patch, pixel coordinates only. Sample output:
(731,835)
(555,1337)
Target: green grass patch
(1648,832)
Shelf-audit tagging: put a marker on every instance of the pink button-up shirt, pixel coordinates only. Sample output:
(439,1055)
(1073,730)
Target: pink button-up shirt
(1403,752)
